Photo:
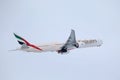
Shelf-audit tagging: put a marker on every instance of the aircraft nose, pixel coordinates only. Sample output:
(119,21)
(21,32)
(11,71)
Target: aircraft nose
(99,42)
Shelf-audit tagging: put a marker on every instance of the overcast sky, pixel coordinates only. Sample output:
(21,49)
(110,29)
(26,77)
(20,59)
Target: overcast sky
(46,21)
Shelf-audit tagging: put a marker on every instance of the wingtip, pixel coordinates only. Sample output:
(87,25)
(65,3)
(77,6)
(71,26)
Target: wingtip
(72,29)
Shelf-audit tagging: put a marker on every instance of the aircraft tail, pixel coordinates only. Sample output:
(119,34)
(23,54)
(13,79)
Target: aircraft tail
(21,40)
(25,43)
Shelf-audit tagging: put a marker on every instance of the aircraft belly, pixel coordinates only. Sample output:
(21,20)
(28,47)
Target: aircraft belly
(50,48)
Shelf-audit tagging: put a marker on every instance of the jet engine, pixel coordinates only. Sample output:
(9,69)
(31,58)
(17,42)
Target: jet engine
(76,45)
(63,50)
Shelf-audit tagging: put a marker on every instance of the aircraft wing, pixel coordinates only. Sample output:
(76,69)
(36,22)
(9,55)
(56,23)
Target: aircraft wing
(71,40)
(70,43)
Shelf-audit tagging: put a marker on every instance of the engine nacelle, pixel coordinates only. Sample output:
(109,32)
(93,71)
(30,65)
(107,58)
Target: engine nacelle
(63,50)
(76,45)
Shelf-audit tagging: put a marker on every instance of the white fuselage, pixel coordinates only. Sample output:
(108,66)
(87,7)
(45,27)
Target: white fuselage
(57,46)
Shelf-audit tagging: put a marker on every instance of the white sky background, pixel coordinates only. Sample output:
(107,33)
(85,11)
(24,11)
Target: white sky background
(41,21)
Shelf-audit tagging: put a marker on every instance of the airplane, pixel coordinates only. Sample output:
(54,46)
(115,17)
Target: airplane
(60,48)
